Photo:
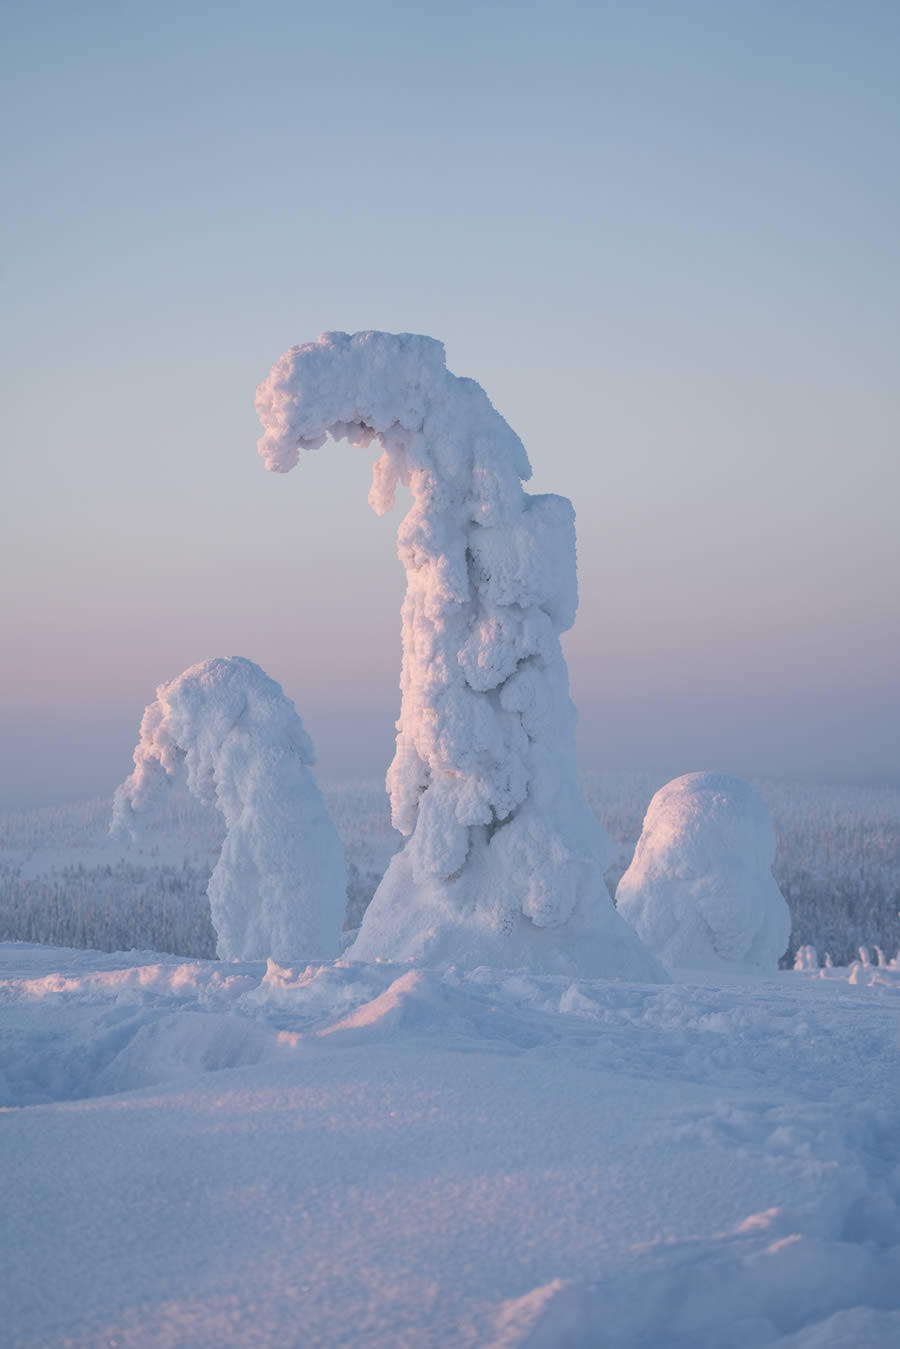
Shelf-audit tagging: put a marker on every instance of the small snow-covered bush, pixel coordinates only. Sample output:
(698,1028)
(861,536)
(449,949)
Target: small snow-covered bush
(806,958)
(700,890)
(279,886)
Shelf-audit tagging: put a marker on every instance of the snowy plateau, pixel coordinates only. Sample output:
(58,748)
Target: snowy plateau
(206,1153)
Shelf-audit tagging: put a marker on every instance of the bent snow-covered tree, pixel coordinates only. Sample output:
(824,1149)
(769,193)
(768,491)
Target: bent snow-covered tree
(279,886)
(700,890)
(504,863)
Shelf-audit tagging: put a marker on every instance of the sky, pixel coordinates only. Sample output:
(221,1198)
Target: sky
(664,238)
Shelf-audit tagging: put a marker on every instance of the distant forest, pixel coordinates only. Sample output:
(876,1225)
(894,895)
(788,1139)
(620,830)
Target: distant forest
(838,866)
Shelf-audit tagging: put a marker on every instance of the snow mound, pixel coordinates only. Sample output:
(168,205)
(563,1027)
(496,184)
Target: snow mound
(700,890)
(504,863)
(418,1002)
(279,886)
(183,981)
(546,1318)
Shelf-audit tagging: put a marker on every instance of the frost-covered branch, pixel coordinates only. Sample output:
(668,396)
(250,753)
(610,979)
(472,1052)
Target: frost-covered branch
(279,886)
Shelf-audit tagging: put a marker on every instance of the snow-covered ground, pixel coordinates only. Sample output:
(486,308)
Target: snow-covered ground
(208,1154)
(199,1154)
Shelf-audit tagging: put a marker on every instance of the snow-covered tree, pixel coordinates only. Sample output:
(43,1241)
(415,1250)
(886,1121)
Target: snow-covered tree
(279,886)
(700,891)
(504,863)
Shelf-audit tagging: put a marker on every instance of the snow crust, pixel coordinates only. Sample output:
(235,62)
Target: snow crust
(700,890)
(279,885)
(504,862)
(197,1154)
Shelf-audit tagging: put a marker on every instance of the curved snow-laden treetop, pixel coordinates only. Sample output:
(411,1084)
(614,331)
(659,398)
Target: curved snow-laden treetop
(483,779)
(279,886)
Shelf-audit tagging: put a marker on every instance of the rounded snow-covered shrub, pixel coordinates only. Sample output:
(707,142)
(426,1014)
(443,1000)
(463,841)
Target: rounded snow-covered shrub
(504,862)
(700,891)
(279,887)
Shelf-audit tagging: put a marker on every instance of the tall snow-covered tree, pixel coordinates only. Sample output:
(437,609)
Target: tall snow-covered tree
(279,886)
(504,862)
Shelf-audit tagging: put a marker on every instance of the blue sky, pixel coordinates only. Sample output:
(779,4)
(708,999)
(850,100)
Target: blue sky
(663,238)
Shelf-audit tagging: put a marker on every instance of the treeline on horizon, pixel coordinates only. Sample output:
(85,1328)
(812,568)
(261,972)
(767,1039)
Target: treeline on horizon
(837,864)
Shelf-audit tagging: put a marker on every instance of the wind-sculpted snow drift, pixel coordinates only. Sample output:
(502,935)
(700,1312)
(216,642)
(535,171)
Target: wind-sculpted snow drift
(700,890)
(279,886)
(504,863)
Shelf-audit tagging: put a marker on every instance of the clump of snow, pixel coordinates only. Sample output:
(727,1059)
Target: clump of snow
(279,886)
(700,890)
(504,863)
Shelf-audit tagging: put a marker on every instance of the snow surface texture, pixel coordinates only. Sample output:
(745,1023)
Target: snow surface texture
(504,863)
(350,1155)
(279,886)
(700,890)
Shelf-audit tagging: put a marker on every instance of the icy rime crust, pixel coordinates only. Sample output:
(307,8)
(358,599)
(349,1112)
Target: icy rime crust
(501,845)
(279,886)
(700,890)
